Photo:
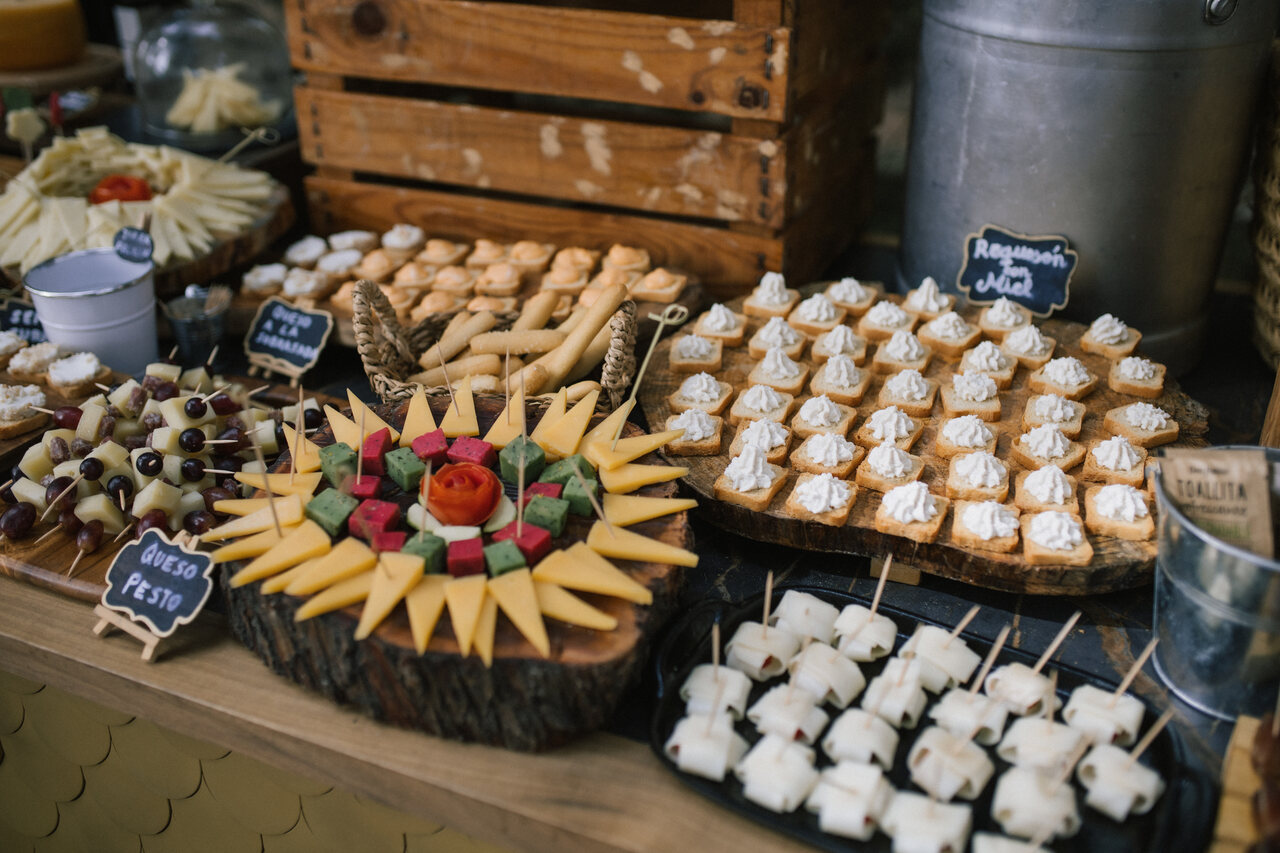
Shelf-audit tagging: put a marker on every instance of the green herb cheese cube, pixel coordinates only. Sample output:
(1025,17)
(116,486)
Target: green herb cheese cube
(509,460)
(502,557)
(330,509)
(337,463)
(562,472)
(404,466)
(579,500)
(548,513)
(430,548)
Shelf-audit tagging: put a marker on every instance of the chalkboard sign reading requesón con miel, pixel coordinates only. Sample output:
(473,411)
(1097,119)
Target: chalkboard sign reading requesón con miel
(1035,272)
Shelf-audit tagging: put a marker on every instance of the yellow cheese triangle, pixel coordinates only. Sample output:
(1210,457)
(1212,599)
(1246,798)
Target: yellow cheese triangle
(418,420)
(609,426)
(277,583)
(464,597)
(372,423)
(348,558)
(555,411)
(504,431)
(393,577)
(342,594)
(305,541)
(630,476)
(304,451)
(247,506)
(486,625)
(624,510)
(460,417)
(609,457)
(582,569)
(562,438)
(425,603)
(288,511)
(625,544)
(515,595)
(282,483)
(344,429)
(248,546)
(558,603)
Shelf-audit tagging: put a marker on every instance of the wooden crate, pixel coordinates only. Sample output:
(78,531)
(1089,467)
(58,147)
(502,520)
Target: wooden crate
(727,144)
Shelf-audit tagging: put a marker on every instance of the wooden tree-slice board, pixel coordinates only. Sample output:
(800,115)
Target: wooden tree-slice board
(523,701)
(1116,564)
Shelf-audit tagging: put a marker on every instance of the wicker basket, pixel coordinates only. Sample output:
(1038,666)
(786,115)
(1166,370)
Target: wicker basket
(1266,221)
(390,350)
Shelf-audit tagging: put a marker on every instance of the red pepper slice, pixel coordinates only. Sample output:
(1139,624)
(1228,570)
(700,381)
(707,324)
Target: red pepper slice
(120,188)
(464,493)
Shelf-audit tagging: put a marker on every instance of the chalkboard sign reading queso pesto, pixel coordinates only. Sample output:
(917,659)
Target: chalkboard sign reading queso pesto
(158,582)
(1035,272)
(287,339)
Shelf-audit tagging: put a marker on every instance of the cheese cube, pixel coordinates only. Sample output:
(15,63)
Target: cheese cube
(158,495)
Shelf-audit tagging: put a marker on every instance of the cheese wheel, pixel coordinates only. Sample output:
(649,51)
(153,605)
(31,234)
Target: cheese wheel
(40,34)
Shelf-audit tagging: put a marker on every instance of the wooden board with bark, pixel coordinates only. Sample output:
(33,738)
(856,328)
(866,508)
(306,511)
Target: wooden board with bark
(1117,563)
(523,701)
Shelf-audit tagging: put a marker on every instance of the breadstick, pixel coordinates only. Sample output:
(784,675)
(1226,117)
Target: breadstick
(487,384)
(575,316)
(535,378)
(476,365)
(593,356)
(537,311)
(450,345)
(518,343)
(562,359)
(458,319)
(577,391)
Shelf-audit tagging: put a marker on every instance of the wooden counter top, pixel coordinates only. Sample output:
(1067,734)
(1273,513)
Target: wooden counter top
(602,792)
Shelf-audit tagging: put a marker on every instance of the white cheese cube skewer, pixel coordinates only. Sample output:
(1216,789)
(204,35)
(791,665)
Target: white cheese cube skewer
(963,714)
(1040,743)
(1104,717)
(861,736)
(945,661)
(949,766)
(790,712)
(1020,689)
(707,681)
(827,674)
(849,799)
(705,746)
(759,651)
(896,694)
(864,636)
(777,773)
(918,824)
(806,615)
(1117,786)
(1032,804)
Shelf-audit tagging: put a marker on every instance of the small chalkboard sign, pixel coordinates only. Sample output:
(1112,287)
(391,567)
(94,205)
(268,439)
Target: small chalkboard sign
(286,338)
(1035,272)
(133,244)
(20,318)
(158,582)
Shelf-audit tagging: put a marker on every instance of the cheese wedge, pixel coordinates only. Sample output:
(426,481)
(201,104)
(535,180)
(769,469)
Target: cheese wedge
(248,546)
(305,541)
(630,476)
(509,424)
(558,603)
(464,596)
(348,558)
(460,417)
(562,438)
(608,457)
(245,506)
(342,594)
(304,452)
(555,411)
(425,603)
(281,483)
(393,577)
(486,625)
(277,583)
(418,420)
(582,569)
(608,427)
(372,423)
(288,511)
(515,595)
(344,429)
(625,544)
(623,510)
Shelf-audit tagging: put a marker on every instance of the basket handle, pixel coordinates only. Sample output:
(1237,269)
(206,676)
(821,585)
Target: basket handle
(380,339)
(619,364)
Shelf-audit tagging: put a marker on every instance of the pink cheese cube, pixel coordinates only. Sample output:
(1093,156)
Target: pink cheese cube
(465,557)
(534,542)
(375,447)
(388,540)
(432,447)
(373,517)
(468,449)
(551,490)
(365,487)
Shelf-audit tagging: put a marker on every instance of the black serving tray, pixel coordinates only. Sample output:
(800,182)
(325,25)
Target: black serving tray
(1182,818)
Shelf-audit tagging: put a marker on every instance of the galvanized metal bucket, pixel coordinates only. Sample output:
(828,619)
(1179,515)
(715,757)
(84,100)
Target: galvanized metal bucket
(1123,126)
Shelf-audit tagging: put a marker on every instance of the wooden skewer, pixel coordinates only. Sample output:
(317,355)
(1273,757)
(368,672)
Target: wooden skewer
(520,494)
(173,353)
(715,705)
(8,483)
(1275,715)
(48,533)
(884,577)
(266,485)
(123,531)
(219,471)
(213,353)
(1133,672)
(120,499)
(101,387)
(591,496)
(195,392)
(53,504)
(902,671)
(214,393)
(961,625)
(453,400)
(506,386)
(1069,765)
(715,648)
(768,598)
(1057,641)
(1052,695)
(791,680)
(1149,737)
(360,452)
(74,563)
(43,409)
(262,388)
(990,660)
(223,440)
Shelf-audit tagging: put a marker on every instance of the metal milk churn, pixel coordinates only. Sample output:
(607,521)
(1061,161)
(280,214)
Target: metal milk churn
(1122,125)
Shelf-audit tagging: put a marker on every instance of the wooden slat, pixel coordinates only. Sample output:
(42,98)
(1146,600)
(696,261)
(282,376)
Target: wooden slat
(622,164)
(832,41)
(725,260)
(680,63)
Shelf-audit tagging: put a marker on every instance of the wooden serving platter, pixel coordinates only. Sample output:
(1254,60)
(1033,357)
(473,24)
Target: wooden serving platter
(1117,563)
(523,701)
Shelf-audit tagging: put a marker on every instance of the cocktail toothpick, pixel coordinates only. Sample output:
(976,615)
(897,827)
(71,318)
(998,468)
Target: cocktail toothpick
(673,315)
(591,496)
(266,484)
(214,393)
(715,648)
(506,386)
(768,601)
(1057,641)
(961,625)
(1051,696)
(48,533)
(173,353)
(70,569)
(360,449)
(715,706)
(1069,765)
(104,388)
(884,578)
(520,493)
(43,410)
(990,660)
(299,432)
(53,504)
(453,400)
(258,390)
(124,531)
(213,353)
(1129,676)
(1149,738)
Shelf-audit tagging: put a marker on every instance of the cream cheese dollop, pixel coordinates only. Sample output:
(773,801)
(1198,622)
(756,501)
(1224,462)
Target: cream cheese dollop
(828,449)
(697,425)
(822,493)
(340,261)
(949,327)
(11,342)
(987,356)
(264,277)
(1057,531)
(763,434)
(888,460)
(848,290)
(820,411)
(927,297)
(816,309)
(772,290)
(776,364)
(778,333)
(1116,454)
(720,319)
(1146,416)
(306,252)
(1066,371)
(842,372)
(1046,442)
(1137,368)
(989,520)
(1120,502)
(17,401)
(304,282)
(1048,485)
(761,398)
(967,431)
(1054,409)
(904,346)
(886,315)
(907,385)
(403,237)
(910,502)
(700,388)
(75,368)
(1004,313)
(889,424)
(981,470)
(749,470)
(974,387)
(1027,341)
(693,347)
(355,240)
(1108,329)
(840,340)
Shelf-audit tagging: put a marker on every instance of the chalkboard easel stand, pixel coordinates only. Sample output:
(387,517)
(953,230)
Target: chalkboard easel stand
(108,618)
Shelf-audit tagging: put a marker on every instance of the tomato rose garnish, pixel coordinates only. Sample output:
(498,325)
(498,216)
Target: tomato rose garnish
(120,188)
(464,493)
